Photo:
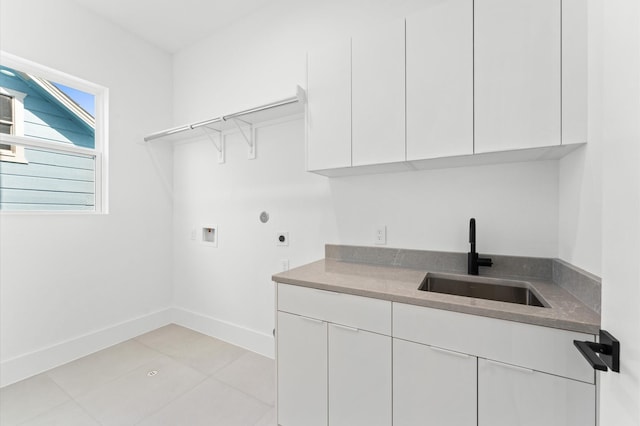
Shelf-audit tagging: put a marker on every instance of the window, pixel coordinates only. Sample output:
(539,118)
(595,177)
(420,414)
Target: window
(6,114)
(11,118)
(53,145)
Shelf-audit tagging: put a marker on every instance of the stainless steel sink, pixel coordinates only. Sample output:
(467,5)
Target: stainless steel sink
(520,292)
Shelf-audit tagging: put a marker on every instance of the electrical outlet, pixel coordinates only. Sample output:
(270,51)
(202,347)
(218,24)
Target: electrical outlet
(381,235)
(284,264)
(194,234)
(282,238)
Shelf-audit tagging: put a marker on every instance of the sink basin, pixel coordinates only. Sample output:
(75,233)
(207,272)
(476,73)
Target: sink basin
(520,292)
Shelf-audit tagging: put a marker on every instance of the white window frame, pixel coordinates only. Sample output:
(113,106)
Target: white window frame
(16,153)
(100,152)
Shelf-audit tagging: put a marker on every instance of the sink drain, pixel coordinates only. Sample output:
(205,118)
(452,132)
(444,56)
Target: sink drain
(152,373)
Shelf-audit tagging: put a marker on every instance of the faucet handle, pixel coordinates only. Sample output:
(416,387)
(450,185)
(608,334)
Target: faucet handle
(485,261)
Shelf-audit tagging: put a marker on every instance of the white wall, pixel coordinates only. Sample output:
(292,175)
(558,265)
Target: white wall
(580,183)
(227,291)
(73,284)
(259,58)
(580,207)
(618,123)
(599,221)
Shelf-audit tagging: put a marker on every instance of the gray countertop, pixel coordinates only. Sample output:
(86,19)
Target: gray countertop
(400,284)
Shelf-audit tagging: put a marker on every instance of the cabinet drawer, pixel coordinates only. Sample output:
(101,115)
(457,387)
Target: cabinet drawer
(354,311)
(434,384)
(510,396)
(539,348)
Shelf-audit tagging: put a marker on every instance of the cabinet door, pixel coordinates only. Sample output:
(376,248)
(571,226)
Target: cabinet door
(574,71)
(440,80)
(378,95)
(517,74)
(302,371)
(329,106)
(513,396)
(359,377)
(434,384)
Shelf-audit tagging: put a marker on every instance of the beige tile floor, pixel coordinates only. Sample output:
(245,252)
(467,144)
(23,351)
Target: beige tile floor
(200,381)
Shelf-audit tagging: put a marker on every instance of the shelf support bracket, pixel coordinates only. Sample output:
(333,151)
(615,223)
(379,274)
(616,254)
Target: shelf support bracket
(219,144)
(249,139)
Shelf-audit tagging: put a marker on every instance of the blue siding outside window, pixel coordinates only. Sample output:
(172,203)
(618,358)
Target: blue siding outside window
(49,180)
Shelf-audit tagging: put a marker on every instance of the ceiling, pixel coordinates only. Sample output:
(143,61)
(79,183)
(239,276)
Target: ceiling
(172,25)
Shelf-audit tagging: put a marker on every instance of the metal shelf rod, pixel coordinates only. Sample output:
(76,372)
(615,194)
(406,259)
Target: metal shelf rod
(180,129)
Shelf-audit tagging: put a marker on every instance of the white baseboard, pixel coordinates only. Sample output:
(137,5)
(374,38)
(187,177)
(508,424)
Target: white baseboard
(24,366)
(27,365)
(253,340)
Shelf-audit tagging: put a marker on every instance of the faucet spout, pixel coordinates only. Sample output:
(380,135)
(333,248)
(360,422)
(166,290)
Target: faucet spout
(473,260)
(472,234)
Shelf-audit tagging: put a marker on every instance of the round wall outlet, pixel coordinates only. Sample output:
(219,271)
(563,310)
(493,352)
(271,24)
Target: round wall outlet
(282,238)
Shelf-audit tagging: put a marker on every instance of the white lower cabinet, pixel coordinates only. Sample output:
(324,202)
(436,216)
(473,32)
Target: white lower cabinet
(341,363)
(359,377)
(333,358)
(302,371)
(433,386)
(514,396)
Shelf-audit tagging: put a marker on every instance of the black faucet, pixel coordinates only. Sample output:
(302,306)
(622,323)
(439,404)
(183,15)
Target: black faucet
(473,261)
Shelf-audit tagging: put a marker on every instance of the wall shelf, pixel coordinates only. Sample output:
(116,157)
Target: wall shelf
(241,121)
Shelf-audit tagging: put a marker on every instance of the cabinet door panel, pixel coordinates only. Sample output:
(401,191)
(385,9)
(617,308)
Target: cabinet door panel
(378,95)
(510,396)
(329,106)
(574,71)
(302,371)
(339,308)
(517,74)
(507,341)
(434,385)
(359,378)
(440,80)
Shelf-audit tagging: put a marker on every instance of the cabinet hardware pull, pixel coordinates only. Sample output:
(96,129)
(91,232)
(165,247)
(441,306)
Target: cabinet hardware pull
(344,327)
(316,321)
(444,351)
(332,293)
(511,367)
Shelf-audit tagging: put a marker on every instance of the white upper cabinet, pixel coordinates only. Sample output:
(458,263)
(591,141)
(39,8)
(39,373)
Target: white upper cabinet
(517,74)
(456,78)
(574,71)
(378,95)
(440,80)
(329,106)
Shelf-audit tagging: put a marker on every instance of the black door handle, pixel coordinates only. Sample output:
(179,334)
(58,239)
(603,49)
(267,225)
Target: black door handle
(603,355)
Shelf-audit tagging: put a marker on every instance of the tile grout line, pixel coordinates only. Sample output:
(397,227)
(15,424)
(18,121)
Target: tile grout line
(158,354)
(71,398)
(206,376)
(110,380)
(254,397)
(180,395)
(211,376)
(236,388)
(44,412)
(102,385)
(154,355)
